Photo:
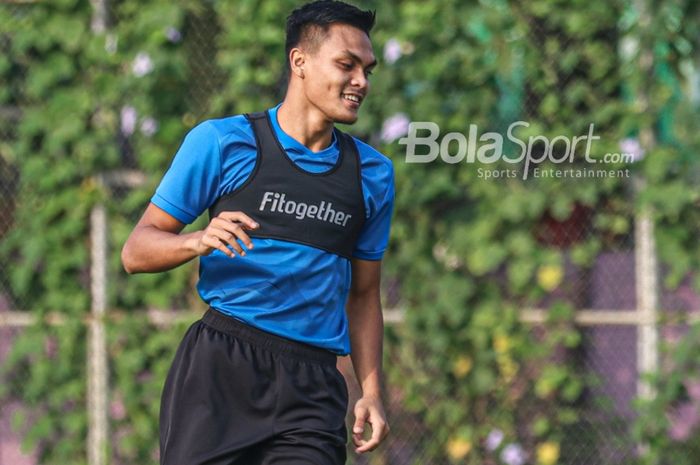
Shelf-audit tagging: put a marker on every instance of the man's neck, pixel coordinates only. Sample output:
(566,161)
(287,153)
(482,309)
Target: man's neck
(305,123)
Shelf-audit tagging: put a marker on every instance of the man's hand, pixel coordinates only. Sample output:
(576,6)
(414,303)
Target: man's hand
(156,244)
(369,410)
(227,228)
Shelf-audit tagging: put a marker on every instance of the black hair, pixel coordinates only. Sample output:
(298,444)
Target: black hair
(310,22)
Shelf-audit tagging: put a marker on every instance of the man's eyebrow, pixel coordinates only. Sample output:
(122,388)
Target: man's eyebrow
(356,58)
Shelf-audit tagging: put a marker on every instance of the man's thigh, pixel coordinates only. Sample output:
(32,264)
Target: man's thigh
(215,404)
(251,399)
(302,449)
(310,417)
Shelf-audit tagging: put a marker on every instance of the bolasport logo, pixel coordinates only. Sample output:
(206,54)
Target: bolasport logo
(488,148)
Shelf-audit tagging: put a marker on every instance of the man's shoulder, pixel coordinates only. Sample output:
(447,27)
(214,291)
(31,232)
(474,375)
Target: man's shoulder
(228,126)
(373,159)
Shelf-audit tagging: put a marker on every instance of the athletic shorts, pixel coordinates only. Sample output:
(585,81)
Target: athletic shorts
(236,395)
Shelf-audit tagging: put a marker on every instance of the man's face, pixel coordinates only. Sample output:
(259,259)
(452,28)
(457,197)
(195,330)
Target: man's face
(336,75)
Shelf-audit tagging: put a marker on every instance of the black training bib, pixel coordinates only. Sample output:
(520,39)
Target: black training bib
(323,210)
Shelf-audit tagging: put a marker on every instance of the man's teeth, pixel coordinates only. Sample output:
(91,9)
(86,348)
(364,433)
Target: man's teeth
(354,98)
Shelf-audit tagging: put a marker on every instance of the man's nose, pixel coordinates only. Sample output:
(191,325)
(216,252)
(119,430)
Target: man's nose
(359,80)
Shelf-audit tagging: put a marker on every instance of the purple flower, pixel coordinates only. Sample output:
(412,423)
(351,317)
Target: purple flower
(50,347)
(173,35)
(692,386)
(128,120)
(632,147)
(513,454)
(395,127)
(683,422)
(392,51)
(142,64)
(117,409)
(149,126)
(494,439)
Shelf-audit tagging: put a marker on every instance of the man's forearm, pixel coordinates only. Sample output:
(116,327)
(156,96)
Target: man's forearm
(150,250)
(366,336)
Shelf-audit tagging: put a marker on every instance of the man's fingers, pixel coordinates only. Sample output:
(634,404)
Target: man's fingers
(234,228)
(379,431)
(231,238)
(240,217)
(225,250)
(378,425)
(220,238)
(361,414)
(231,233)
(214,242)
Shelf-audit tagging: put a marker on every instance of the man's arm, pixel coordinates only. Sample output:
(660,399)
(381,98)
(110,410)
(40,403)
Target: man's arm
(156,244)
(366,323)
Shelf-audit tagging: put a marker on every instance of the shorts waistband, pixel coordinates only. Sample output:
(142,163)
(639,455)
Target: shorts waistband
(263,339)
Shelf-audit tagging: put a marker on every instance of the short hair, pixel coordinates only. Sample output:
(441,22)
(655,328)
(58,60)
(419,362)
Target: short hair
(310,22)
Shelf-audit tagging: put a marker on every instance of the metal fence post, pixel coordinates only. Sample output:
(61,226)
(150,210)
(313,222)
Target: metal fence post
(647,302)
(647,281)
(97,343)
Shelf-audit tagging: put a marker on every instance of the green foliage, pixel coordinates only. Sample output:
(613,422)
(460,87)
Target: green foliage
(668,421)
(141,355)
(72,85)
(46,367)
(469,251)
(490,373)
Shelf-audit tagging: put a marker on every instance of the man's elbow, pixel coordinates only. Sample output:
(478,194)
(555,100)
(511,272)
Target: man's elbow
(127,258)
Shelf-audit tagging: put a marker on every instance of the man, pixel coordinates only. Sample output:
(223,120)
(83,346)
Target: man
(289,263)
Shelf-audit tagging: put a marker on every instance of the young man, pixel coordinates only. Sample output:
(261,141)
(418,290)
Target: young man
(289,263)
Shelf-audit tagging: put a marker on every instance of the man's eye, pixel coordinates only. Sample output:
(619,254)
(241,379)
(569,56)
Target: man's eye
(346,65)
(368,73)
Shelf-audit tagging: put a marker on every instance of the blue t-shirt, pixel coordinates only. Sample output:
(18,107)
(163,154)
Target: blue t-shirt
(285,288)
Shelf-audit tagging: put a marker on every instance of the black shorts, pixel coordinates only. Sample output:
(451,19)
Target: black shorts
(236,395)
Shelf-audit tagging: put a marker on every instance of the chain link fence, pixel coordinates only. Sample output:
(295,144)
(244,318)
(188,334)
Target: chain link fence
(616,298)
(10,113)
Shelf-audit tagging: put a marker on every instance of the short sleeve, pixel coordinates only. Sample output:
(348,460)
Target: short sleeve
(379,200)
(192,181)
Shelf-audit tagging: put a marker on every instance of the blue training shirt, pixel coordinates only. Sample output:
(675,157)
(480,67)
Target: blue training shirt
(285,288)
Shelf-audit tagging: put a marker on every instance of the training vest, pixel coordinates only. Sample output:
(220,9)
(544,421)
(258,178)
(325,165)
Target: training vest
(323,210)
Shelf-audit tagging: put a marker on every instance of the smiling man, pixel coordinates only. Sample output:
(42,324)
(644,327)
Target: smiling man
(299,217)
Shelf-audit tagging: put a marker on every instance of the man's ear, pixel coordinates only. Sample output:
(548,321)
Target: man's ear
(297,58)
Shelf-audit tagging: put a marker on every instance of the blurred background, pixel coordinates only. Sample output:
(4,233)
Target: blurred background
(531,321)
